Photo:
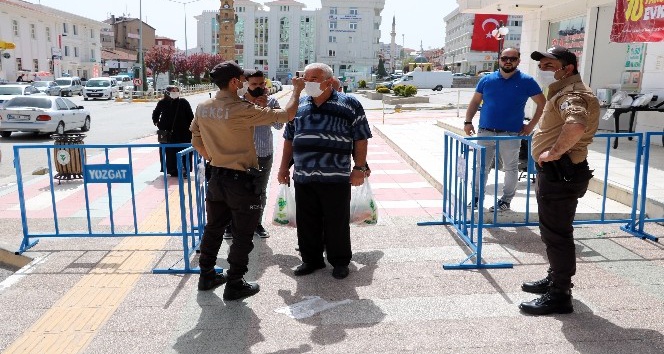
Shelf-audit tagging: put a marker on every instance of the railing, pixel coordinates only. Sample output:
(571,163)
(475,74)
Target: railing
(464,165)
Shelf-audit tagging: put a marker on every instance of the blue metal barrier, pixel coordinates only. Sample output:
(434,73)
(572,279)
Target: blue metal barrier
(637,225)
(192,206)
(122,171)
(461,155)
(463,158)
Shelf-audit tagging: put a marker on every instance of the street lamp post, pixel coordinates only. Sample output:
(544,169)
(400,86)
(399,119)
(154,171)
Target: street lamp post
(499,34)
(184,7)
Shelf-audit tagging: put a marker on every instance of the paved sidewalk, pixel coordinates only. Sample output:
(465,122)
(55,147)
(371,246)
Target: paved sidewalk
(99,296)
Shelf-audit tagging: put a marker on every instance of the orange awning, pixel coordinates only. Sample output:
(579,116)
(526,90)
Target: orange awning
(7,45)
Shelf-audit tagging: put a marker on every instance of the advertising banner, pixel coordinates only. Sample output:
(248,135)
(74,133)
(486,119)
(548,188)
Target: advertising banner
(638,21)
(482,39)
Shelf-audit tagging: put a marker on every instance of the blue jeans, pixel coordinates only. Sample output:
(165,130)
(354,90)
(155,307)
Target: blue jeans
(509,155)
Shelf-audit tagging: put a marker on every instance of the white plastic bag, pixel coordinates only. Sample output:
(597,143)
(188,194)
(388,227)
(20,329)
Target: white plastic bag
(363,210)
(284,207)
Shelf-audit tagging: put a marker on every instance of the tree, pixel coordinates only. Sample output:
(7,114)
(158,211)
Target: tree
(381,68)
(159,60)
(212,60)
(197,65)
(180,65)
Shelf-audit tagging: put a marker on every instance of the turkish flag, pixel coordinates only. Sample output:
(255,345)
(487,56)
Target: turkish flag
(482,39)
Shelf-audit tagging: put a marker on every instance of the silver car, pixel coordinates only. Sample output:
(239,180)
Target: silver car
(42,114)
(8,92)
(50,88)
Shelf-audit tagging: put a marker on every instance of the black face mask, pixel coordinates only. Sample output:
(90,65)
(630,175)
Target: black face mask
(257,92)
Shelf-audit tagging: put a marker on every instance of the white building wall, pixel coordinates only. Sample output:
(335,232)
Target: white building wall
(355,50)
(27,48)
(247,13)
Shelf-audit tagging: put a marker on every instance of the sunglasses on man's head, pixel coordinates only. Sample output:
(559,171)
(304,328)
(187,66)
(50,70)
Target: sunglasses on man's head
(510,59)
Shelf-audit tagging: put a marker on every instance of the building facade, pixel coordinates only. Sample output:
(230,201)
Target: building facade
(585,28)
(282,37)
(349,35)
(48,41)
(458,56)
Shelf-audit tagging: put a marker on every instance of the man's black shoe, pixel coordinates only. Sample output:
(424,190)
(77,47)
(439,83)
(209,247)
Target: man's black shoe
(260,231)
(554,301)
(210,282)
(238,289)
(307,268)
(228,233)
(537,287)
(340,272)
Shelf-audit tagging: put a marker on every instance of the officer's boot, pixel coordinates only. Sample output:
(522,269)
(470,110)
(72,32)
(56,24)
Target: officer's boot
(538,286)
(554,301)
(238,288)
(209,278)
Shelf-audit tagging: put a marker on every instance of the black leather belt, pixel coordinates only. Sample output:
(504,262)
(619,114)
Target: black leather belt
(223,171)
(494,130)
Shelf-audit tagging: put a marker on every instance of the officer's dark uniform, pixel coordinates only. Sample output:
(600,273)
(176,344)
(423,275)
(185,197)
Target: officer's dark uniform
(224,125)
(561,183)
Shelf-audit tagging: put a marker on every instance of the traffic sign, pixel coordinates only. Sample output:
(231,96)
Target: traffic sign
(138,82)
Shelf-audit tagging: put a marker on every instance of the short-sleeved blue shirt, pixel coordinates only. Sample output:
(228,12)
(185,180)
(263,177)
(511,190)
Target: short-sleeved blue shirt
(323,138)
(504,100)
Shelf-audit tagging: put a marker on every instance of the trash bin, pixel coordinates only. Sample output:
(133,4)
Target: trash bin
(68,161)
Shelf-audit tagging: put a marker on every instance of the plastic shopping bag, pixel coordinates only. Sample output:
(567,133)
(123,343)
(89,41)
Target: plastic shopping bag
(284,208)
(363,210)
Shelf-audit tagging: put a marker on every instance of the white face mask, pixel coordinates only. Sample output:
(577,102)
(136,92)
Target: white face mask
(312,89)
(174,94)
(243,90)
(545,78)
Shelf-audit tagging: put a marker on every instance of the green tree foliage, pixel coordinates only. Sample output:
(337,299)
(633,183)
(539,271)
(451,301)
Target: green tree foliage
(381,68)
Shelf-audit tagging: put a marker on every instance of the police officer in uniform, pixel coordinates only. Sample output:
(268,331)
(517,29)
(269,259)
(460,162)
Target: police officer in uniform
(223,133)
(560,148)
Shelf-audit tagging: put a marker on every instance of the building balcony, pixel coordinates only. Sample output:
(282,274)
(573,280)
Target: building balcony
(508,7)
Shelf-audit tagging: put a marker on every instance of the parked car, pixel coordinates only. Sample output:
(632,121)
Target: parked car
(42,114)
(483,73)
(50,88)
(70,86)
(459,75)
(12,90)
(100,87)
(277,84)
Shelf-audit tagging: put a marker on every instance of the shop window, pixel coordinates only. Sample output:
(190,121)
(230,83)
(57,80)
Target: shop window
(353,25)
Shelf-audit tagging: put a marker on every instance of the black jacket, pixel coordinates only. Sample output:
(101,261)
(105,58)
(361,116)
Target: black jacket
(164,117)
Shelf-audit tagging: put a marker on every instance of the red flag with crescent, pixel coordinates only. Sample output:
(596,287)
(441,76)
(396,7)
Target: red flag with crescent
(482,39)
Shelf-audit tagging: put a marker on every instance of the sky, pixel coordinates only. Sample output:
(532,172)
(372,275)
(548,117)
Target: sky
(423,21)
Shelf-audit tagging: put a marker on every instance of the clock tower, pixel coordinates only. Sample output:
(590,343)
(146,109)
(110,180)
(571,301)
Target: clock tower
(226,20)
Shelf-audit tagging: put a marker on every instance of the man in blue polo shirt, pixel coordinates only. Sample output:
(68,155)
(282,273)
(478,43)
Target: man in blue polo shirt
(330,130)
(505,93)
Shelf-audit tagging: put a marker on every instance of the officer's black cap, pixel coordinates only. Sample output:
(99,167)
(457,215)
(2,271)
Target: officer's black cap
(555,52)
(224,72)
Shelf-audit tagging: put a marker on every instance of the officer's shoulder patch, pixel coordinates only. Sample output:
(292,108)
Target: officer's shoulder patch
(565,105)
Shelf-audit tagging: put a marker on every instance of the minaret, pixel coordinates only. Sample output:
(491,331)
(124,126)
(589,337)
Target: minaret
(393,45)
(226,20)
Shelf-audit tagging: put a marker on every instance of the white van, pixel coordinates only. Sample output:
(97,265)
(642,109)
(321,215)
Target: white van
(70,86)
(100,87)
(435,80)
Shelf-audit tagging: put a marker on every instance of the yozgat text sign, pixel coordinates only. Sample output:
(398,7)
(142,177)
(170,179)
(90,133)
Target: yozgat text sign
(119,173)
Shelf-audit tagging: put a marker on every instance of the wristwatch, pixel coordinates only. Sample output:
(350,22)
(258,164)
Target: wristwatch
(360,168)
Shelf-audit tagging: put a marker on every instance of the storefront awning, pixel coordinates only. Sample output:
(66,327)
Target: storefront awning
(7,45)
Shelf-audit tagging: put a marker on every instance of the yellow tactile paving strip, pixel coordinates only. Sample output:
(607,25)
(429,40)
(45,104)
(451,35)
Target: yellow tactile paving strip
(71,324)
